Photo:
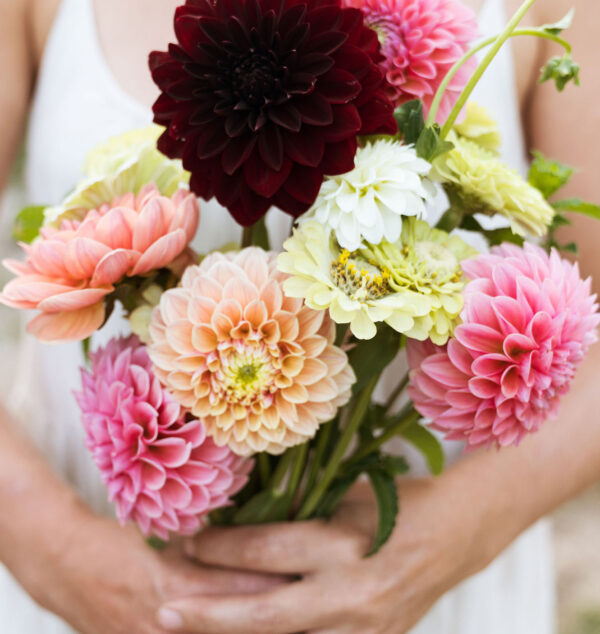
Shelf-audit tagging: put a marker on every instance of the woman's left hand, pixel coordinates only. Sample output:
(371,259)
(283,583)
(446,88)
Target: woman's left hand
(339,591)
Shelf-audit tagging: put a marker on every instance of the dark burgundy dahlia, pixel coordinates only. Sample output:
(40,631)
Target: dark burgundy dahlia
(262,98)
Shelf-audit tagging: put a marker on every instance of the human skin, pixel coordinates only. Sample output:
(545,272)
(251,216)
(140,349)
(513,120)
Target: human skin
(103,579)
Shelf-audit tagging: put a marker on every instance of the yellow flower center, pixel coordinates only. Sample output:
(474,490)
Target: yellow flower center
(246,373)
(358,278)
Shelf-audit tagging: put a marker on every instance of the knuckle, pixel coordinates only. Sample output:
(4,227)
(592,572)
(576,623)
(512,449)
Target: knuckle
(259,547)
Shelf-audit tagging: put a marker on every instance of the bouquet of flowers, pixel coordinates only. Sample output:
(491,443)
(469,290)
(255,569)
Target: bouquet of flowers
(244,389)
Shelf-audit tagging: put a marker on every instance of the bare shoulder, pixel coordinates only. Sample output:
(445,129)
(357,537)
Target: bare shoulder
(41,14)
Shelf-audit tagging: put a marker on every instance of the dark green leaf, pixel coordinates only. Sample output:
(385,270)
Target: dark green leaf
(394,465)
(409,117)
(431,145)
(156,543)
(578,206)
(28,223)
(266,506)
(562,70)
(570,247)
(427,444)
(547,175)
(371,356)
(386,494)
(493,236)
(558,27)
(451,218)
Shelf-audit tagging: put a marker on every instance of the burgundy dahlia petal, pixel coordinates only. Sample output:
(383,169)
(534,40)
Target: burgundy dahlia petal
(256,89)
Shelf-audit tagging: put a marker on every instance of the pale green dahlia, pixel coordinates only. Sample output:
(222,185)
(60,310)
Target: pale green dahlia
(121,165)
(414,284)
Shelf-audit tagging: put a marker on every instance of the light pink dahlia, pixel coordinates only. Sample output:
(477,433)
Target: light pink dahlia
(527,323)
(160,468)
(421,40)
(258,368)
(69,271)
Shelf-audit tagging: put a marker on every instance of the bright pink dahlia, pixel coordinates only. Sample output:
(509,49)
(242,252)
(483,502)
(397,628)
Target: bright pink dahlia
(421,40)
(261,98)
(69,271)
(527,323)
(160,468)
(258,368)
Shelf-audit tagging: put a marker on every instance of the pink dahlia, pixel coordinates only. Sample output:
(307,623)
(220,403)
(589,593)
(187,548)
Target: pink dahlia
(258,368)
(421,40)
(160,468)
(527,323)
(69,271)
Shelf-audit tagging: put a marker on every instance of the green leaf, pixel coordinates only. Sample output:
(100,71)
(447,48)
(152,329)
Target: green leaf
(394,465)
(427,444)
(558,27)
(266,506)
(28,223)
(548,175)
(431,145)
(369,357)
(156,543)
(562,70)
(409,117)
(386,494)
(578,206)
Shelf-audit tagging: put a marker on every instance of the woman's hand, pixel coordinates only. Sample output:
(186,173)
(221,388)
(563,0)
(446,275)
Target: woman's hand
(104,579)
(341,591)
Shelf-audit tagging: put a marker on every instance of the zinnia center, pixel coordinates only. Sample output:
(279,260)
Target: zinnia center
(358,278)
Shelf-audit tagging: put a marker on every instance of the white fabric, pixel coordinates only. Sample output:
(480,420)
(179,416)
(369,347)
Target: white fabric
(78,103)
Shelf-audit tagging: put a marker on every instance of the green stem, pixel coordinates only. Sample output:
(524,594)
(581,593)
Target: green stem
(487,60)
(435,104)
(397,428)
(317,459)
(277,483)
(301,451)
(264,469)
(358,411)
(396,393)
(247,237)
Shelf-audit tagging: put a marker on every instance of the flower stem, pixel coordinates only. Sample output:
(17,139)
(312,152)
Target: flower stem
(396,393)
(247,237)
(277,483)
(358,411)
(395,429)
(264,469)
(487,60)
(298,464)
(317,459)
(534,32)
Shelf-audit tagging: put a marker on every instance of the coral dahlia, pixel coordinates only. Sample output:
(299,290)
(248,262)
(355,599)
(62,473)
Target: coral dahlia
(421,40)
(69,271)
(261,98)
(258,368)
(160,468)
(527,323)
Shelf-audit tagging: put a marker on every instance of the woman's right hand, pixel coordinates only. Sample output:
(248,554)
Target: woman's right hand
(104,579)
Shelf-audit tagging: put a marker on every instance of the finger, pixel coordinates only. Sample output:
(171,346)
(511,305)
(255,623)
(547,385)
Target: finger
(291,548)
(281,611)
(188,579)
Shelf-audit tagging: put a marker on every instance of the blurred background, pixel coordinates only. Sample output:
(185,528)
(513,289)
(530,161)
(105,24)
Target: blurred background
(576,525)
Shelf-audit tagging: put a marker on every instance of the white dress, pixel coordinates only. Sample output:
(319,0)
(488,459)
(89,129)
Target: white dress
(77,104)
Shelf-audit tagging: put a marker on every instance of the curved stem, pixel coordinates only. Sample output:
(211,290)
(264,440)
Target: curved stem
(395,429)
(247,237)
(319,452)
(435,104)
(358,410)
(396,393)
(487,60)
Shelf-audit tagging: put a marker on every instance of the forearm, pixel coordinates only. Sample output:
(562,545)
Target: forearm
(36,506)
(508,490)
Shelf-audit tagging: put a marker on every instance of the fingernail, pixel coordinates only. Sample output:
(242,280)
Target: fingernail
(170,619)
